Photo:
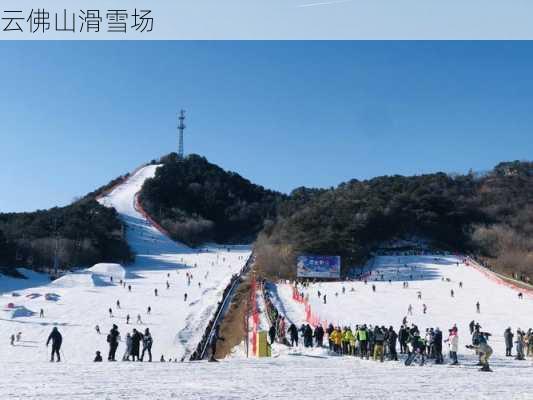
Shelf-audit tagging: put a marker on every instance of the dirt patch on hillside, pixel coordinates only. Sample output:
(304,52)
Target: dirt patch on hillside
(232,328)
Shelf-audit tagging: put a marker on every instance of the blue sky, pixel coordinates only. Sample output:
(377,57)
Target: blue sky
(74,115)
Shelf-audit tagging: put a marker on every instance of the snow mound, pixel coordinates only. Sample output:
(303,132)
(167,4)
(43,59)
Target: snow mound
(52,296)
(21,311)
(80,279)
(109,270)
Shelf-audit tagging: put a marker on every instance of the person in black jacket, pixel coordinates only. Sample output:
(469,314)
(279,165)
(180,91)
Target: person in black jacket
(272,334)
(136,338)
(147,345)
(403,336)
(293,334)
(391,341)
(56,339)
(112,339)
(308,336)
(437,346)
(98,357)
(319,335)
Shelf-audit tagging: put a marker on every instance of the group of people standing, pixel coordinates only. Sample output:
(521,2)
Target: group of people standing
(133,343)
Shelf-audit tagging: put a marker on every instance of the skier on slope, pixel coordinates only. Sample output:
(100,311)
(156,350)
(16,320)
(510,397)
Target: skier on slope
(56,339)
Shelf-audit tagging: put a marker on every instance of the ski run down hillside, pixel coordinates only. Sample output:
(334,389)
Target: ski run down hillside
(77,302)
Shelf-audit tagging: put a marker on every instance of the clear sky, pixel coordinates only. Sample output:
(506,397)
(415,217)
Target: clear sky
(74,115)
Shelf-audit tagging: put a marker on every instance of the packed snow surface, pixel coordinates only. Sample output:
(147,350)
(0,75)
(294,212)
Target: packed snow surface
(434,278)
(77,302)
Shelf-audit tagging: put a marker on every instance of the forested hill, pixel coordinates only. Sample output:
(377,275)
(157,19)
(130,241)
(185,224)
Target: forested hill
(490,215)
(86,232)
(196,202)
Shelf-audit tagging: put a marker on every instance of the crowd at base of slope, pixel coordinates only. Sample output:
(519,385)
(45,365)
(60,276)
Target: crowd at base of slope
(380,343)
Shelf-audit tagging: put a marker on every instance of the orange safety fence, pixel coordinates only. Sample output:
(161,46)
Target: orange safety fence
(138,207)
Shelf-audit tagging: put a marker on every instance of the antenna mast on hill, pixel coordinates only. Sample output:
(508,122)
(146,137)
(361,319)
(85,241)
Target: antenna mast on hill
(181,128)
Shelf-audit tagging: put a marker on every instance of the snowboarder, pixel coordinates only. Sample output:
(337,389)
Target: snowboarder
(98,357)
(147,345)
(112,339)
(484,351)
(56,339)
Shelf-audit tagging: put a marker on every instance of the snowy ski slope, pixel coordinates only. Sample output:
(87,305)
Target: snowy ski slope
(499,305)
(78,302)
